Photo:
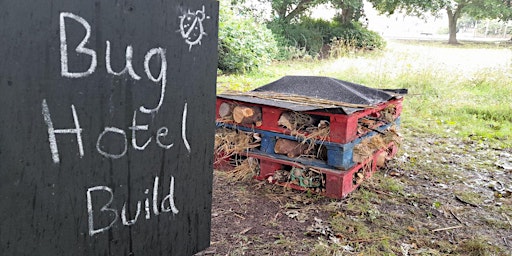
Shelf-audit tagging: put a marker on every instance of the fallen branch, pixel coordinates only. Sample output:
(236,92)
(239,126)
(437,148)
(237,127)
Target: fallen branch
(448,228)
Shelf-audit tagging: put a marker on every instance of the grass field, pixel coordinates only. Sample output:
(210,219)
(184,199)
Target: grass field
(463,91)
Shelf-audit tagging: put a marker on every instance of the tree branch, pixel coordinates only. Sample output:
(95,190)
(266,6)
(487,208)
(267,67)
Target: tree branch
(301,7)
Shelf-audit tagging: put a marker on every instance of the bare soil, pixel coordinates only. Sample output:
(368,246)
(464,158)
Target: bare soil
(439,196)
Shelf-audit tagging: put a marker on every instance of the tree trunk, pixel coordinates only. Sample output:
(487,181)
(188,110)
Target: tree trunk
(487,28)
(347,14)
(453,16)
(452,26)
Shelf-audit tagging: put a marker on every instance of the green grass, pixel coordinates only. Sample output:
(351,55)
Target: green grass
(463,91)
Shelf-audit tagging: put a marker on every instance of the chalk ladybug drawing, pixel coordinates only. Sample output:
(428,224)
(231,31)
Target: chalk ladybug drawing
(191,27)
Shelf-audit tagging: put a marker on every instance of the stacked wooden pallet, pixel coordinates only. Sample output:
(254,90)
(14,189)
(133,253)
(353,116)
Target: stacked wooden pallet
(323,150)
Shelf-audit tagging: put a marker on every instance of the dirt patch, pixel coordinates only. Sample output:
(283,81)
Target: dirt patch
(438,196)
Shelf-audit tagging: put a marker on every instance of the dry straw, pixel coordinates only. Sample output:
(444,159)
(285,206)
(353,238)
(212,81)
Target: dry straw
(297,99)
(244,171)
(229,142)
(369,146)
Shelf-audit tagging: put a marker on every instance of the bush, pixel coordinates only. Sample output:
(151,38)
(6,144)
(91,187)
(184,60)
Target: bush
(295,40)
(355,35)
(244,45)
(311,35)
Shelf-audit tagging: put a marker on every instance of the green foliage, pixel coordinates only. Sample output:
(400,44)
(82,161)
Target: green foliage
(480,9)
(243,44)
(311,35)
(298,36)
(287,10)
(359,37)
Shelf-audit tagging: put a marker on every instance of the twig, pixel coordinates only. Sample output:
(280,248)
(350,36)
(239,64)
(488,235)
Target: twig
(367,240)
(245,230)
(237,215)
(378,191)
(455,216)
(369,128)
(448,228)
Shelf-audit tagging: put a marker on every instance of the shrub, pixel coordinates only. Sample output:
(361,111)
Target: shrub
(311,35)
(244,45)
(289,36)
(359,37)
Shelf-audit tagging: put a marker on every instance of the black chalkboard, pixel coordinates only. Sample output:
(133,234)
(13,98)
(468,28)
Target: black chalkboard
(106,126)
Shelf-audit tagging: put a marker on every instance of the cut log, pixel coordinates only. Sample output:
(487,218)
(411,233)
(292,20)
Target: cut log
(358,177)
(290,148)
(225,110)
(296,121)
(247,115)
(381,159)
(285,120)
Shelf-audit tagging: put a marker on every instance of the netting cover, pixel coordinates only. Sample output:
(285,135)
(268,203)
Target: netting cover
(322,88)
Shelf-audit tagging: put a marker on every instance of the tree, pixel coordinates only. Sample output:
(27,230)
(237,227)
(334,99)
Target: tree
(286,10)
(350,10)
(500,9)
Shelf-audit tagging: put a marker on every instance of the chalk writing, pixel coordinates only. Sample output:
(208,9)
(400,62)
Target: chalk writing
(162,132)
(135,128)
(107,209)
(104,208)
(192,31)
(81,49)
(162,77)
(128,67)
(184,127)
(160,135)
(191,27)
(112,130)
(52,131)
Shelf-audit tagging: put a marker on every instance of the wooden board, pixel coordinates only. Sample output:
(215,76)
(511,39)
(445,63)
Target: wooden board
(107,126)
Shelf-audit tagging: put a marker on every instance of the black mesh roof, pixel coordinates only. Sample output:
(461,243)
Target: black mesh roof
(318,87)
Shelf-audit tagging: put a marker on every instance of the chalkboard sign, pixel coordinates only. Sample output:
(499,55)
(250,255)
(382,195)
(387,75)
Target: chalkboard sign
(106,126)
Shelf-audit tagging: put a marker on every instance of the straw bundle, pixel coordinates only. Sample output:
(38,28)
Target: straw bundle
(244,171)
(229,142)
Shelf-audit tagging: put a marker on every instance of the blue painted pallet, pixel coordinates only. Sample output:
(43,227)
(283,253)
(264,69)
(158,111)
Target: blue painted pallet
(339,156)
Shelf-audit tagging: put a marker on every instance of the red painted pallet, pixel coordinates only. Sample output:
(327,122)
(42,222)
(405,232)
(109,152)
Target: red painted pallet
(331,182)
(343,128)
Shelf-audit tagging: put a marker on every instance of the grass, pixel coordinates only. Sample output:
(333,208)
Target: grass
(477,247)
(459,91)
